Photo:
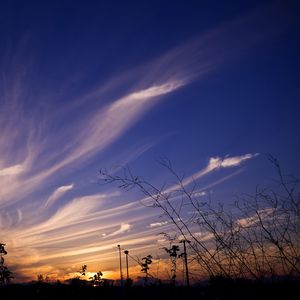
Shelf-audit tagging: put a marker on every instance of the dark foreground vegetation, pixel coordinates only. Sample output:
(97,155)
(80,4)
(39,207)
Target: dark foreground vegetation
(253,249)
(256,236)
(217,289)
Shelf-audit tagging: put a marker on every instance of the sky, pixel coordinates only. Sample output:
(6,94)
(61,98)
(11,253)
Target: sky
(211,85)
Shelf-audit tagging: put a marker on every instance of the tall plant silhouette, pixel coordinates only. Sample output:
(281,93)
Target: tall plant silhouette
(146,261)
(172,251)
(83,270)
(5,273)
(97,279)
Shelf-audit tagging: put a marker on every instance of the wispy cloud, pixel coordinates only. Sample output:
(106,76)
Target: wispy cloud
(103,128)
(216,163)
(262,214)
(57,194)
(157,224)
(72,213)
(47,152)
(236,160)
(200,193)
(123,228)
(13,170)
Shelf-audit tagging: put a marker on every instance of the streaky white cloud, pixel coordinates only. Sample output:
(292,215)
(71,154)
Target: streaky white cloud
(224,178)
(75,210)
(98,129)
(71,213)
(157,224)
(13,170)
(216,163)
(108,124)
(204,236)
(60,191)
(227,162)
(236,160)
(200,193)
(252,220)
(73,234)
(124,227)
(154,91)
(92,133)
(83,251)
(20,215)
(132,154)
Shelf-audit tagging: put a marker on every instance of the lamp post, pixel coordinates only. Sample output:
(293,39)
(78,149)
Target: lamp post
(121,274)
(127,273)
(185,261)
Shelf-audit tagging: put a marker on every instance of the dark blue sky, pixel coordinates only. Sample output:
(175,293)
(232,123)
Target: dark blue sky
(212,85)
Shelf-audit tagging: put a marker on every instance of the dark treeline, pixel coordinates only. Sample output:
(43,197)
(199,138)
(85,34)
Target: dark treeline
(217,289)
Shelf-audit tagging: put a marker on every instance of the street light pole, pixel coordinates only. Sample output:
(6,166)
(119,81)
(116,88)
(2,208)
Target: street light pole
(185,261)
(121,274)
(126,253)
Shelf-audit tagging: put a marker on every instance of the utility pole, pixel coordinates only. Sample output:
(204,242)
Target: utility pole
(185,261)
(121,274)
(126,253)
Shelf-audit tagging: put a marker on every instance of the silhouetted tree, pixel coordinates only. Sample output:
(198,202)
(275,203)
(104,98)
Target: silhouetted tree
(83,270)
(40,278)
(146,261)
(5,273)
(97,278)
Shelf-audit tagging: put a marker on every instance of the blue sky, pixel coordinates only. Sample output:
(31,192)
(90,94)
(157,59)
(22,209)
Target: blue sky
(213,86)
